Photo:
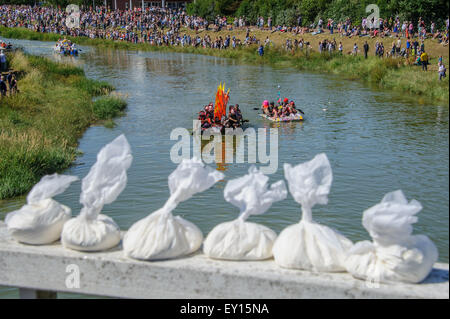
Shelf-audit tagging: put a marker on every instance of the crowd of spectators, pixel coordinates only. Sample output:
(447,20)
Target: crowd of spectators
(162,26)
(167,27)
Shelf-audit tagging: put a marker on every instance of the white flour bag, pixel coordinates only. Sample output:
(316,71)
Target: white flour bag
(41,220)
(90,230)
(309,245)
(161,235)
(239,239)
(395,255)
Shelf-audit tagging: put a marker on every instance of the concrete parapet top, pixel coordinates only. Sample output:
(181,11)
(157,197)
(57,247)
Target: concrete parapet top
(112,274)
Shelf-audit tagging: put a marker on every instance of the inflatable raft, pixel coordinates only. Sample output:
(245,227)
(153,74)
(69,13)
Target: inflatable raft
(290,118)
(221,129)
(65,50)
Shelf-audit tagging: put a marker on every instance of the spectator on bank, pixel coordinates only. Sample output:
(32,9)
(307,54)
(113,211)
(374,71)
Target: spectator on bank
(355,49)
(3,88)
(424,61)
(442,71)
(261,50)
(2,61)
(9,78)
(299,21)
(393,49)
(319,25)
(13,86)
(380,50)
(261,22)
(366,49)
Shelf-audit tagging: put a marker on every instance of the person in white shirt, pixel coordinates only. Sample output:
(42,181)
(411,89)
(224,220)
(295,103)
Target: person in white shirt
(441,71)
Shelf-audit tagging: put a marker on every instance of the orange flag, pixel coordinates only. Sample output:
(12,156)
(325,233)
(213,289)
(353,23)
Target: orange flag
(220,106)
(216,104)
(227,97)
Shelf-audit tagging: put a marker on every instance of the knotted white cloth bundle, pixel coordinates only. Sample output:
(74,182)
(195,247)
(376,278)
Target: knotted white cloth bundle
(90,230)
(239,239)
(395,255)
(161,235)
(41,220)
(308,245)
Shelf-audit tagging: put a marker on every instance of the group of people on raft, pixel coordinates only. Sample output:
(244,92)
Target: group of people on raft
(5,46)
(208,120)
(66,47)
(281,109)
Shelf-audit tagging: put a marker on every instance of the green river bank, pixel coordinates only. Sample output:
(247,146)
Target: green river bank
(41,124)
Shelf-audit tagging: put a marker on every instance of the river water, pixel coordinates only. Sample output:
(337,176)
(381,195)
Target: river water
(377,142)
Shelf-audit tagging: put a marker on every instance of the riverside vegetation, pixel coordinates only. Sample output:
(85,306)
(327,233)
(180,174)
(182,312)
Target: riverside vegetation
(40,126)
(396,74)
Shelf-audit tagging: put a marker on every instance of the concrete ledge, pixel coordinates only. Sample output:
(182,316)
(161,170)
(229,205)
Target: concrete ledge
(112,274)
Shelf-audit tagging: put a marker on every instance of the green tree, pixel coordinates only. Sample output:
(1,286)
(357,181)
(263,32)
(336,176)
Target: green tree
(312,9)
(204,8)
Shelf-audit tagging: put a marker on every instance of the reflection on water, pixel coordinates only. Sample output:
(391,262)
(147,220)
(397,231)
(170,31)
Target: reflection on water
(377,142)
(223,150)
(288,130)
(66,59)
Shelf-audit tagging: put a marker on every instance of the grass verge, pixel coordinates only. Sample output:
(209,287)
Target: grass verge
(40,126)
